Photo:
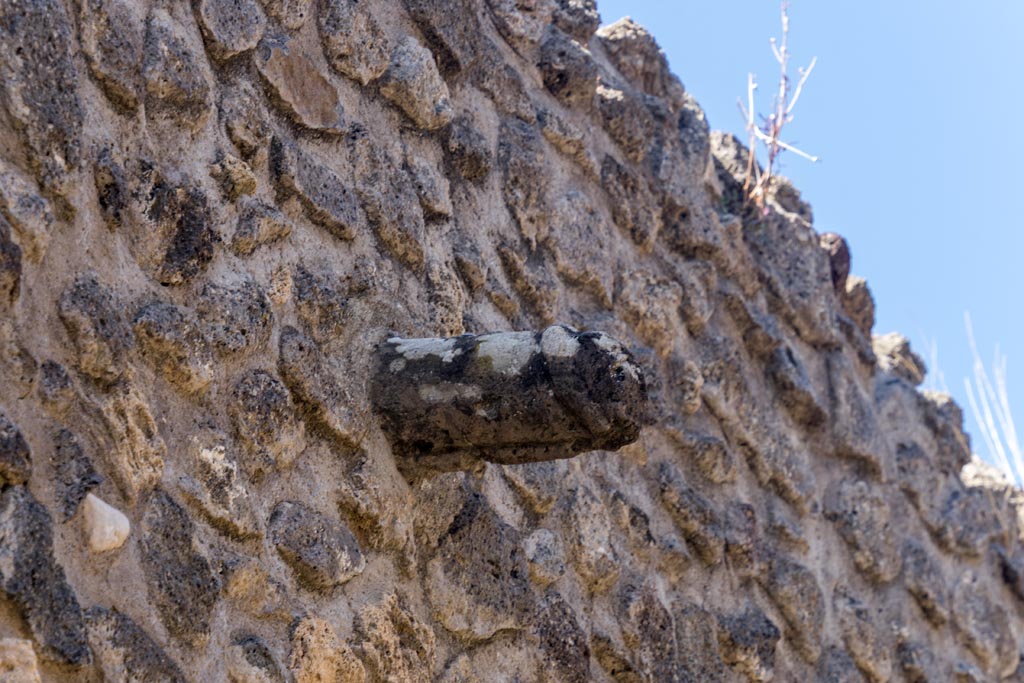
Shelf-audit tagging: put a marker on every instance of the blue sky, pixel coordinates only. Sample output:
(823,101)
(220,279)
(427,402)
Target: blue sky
(916,111)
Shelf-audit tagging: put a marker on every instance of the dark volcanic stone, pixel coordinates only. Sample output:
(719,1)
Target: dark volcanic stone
(176,88)
(37,77)
(179,580)
(15,455)
(266,423)
(327,200)
(112,37)
(31,578)
(568,70)
(92,314)
(73,471)
(563,643)
(126,652)
(10,265)
(235,317)
(322,552)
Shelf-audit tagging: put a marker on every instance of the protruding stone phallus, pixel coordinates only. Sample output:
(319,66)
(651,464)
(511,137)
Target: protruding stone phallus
(508,397)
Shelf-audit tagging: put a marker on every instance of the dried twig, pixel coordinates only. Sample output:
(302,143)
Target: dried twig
(990,403)
(769,133)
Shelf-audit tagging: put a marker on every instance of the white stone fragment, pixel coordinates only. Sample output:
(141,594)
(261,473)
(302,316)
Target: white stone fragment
(509,351)
(559,342)
(106,526)
(418,349)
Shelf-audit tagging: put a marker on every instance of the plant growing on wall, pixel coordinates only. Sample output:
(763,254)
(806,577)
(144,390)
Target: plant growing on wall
(768,131)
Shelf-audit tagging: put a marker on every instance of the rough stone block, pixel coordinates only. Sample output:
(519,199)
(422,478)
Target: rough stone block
(304,93)
(322,553)
(174,74)
(15,454)
(180,582)
(230,27)
(413,84)
(354,42)
(567,69)
(93,316)
(123,649)
(172,340)
(317,389)
(326,199)
(35,583)
(38,74)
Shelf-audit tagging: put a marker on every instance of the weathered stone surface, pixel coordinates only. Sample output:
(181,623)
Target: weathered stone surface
(291,13)
(258,224)
(123,649)
(15,454)
(631,202)
(234,176)
(250,661)
(174,75)
(322,553)
(266,423)
(397,646)
(467,149)
(40,94)
(925,583)
(186,236)
(896,357)
(319,656)
(180,582)
(18,662)
(578,18)
(10,265)
(507,397)
(230,27)
(235,316)
(567,69)
(859,304)
(839,258)
(693,514)
(985,627)
(215,485)
(870,649)
(748,641)
(545,557)
(796,594)
(297,85)
(322,397)
(794,388)
(171,338)
(390,202)
(354,42)
(325,198)
(478,580)
(411,170)
(35,583)
(93,316)
(626,118)
(636,55)
(26,223)
(414,85)
(134,448)
(565,652)
(864,520)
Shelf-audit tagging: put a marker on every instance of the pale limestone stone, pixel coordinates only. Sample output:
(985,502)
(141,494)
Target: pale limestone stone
(107,527)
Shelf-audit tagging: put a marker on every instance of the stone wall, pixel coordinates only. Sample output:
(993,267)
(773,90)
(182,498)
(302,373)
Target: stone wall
(211,215)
